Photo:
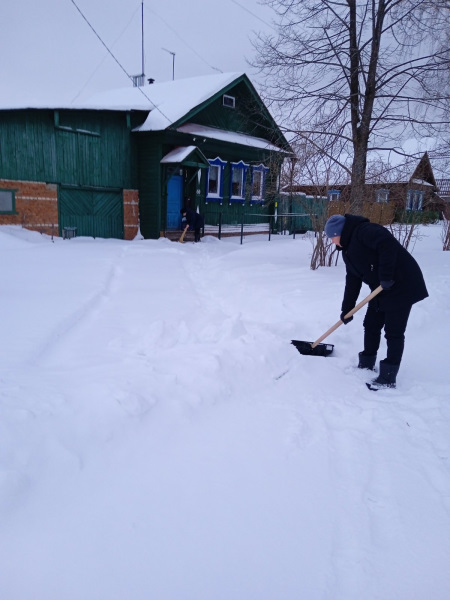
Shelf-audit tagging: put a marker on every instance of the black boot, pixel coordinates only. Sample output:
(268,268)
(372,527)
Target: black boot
(386,378)
(366,362)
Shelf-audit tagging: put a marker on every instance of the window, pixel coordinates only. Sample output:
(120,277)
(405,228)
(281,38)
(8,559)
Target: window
(7,202)
(238,174)
(66,122)
(382,195)
(229,101)
(214,185)
(414,200)
(214,180)
(334,195)
(258,182)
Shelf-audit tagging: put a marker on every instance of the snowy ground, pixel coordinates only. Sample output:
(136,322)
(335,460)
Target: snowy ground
(161,439)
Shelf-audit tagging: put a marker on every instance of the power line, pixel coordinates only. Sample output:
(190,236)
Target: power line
(184,41)
(117,61)
(104,58)
(100,39)
(251,13)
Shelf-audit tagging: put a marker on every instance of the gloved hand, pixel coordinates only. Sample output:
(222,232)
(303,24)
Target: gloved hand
(386,285)
(343,319)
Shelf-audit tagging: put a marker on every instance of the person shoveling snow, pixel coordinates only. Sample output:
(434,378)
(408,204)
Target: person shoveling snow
(373,256)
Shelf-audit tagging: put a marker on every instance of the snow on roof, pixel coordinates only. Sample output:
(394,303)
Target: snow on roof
(167,101)
(422,182)
(19,104)
(178,155)
(174,99)
(227,136)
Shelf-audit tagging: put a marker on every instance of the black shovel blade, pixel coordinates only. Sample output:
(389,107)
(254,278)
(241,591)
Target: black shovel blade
(307,349)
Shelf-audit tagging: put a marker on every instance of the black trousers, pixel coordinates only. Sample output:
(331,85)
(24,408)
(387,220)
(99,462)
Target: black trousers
(394,323)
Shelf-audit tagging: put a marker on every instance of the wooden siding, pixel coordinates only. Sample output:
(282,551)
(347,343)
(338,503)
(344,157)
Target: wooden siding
(234,211)
(86,148)
(246,117)
(95,213)
(150,192)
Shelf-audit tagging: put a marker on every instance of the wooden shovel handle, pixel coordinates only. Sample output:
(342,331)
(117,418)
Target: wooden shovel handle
(183,234)
(349,314)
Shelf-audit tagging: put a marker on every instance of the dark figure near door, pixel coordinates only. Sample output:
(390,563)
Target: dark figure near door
(193,220)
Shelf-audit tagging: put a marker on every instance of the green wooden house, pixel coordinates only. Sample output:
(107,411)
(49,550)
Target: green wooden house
(131,158)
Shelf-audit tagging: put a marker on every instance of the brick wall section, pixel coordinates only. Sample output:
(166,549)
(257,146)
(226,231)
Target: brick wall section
(36,206)
(131,213)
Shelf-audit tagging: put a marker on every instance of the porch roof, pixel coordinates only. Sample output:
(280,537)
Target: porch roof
(189,156)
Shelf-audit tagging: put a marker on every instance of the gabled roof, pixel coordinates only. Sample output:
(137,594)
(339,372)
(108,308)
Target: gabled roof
(171,98)
(424,171)
(166,102)
(422,175)
(177,102)
(170,104)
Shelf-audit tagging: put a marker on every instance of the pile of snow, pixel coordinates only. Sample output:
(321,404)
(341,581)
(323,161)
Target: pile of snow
(160,438)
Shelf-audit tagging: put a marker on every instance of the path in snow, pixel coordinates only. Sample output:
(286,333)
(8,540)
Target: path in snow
(155,419)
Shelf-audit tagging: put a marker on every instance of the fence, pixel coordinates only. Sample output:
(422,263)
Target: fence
(252,223)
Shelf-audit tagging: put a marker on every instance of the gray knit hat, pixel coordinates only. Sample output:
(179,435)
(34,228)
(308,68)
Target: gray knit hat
(334,226)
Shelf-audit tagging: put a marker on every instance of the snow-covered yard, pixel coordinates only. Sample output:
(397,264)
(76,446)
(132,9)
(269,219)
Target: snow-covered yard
(161,439)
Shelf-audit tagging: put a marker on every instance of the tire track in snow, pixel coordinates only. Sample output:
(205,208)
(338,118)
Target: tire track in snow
(61,334)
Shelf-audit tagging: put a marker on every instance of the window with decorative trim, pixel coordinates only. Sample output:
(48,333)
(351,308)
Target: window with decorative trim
(382,195)
(258,183)
(214,183)
(334,195)
(414,200)
(237,180)
(7,202)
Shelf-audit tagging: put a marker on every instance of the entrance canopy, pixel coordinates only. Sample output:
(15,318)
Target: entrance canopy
(186,156)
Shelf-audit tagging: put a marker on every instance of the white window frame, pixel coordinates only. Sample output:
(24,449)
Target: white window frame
(334,195)
(229,101)
(262,170)
(383,195)
(414,199)
(240,169)
(220,164)
(7,196)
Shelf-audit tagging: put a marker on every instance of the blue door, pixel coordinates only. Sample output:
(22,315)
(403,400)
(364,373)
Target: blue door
(174,201)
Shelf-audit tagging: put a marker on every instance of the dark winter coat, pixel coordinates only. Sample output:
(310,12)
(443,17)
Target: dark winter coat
(372,254)
(194,219)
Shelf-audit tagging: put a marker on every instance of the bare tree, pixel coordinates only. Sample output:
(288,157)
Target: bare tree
(446,230)
(353,78)
(319,169)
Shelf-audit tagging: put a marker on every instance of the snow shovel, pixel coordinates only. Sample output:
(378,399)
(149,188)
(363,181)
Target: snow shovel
(181,240)
(318,349)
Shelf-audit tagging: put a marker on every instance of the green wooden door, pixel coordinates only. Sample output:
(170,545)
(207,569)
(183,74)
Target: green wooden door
(95,213)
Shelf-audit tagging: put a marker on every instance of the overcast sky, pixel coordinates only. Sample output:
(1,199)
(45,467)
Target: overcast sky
(48,50)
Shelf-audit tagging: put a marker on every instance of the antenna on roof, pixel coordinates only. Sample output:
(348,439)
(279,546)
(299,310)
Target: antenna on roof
(173,61)
(139,80)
